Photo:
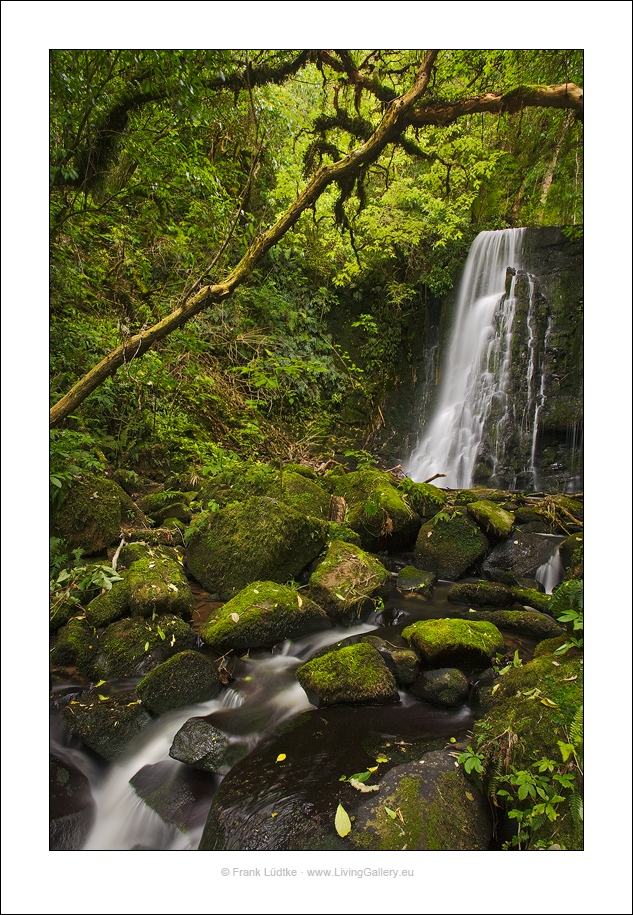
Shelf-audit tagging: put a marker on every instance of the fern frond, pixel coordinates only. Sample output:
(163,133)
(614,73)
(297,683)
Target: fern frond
(576,807)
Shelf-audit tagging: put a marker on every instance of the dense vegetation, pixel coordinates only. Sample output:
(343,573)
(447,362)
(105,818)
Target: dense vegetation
(284,216)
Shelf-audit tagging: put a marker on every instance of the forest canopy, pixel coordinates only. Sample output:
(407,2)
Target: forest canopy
(244,220)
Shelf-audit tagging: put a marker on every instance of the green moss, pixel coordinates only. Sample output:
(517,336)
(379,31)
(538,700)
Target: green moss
(448,548)
(185,679)
(262,614)
(355,674)
(425,499)
(376,510)
(481,594)
(494,521)
(259,539)
(338,531)
(346,579)
(412,579)
(109,606)
(454,642)
(107,725)
(159,585)
(529,623)
(132,647)
(530,597)
(75,646)
(479,494)
(302,493)
(91,514)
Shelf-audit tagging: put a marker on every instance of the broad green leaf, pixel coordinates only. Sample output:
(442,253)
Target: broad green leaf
(342,822)
(390,813)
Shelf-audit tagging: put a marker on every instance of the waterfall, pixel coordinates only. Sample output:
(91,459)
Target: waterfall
(478,364)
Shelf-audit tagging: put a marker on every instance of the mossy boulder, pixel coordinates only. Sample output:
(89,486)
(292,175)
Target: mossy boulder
(376,510)
(201,745)
(454,642)
(259,539)
(481,594)
(159,585)
(450,547)
(494,521)
(339,531)
(425,499)
(302,493)
(168,504)
(572,556)
(92,513)
(185,679)
(479,494)
(106,725)
(132,647)
(110,606)
(351,675)
(261,615)
(529,623)
(402,661)
(446,687)
(440,810)
(346,580)
(411,579)
(75,646)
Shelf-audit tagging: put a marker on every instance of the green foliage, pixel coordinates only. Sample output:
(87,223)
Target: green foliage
(71,454)
(566,606)
(471,761)
(76,584)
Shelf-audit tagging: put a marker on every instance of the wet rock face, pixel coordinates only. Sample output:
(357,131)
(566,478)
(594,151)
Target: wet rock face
(71,806)
(446,687)
(521,554)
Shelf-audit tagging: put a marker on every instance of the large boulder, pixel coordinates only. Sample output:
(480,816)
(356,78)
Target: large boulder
(425,499)
(351,675)
(110,606)
(255,540)
(449,545)
(376,510)
(159,585)
(262,614)
(427,805)
(185,679)
(92,513)
(133,647)
(301,492)
(445,687)
(528,623)
(346,580)
(521,554)
(454,642)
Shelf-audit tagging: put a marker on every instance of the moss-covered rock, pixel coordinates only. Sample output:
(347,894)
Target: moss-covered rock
(201,745)
(339,531)
(494,521)
(110,606)
(450,547)
(481,594)
(106,725)
(402,661)
(415,580)
(439,810)
(529,623)
(480,494)
(445,687)
(132,647)
(158,586)
(262,614)
(376,510)
(454,642)
(530,597)
(571,552)
(75,645)
(255,540)
(185,679)
(351,675)
(302,493)
(346,580)
(424,498)
(92,513)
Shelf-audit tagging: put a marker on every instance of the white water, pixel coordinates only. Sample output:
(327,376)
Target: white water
(477,365)
(551,572)
(264,694)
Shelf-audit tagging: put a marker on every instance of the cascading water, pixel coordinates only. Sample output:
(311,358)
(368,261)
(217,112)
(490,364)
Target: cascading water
(475,401)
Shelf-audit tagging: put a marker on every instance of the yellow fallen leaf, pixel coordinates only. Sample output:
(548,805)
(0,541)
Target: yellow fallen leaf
(281,757)
(470,796)
(342,822)
(299,601)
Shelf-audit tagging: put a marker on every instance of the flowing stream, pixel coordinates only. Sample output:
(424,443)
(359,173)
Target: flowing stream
(263,695)
(474,397)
